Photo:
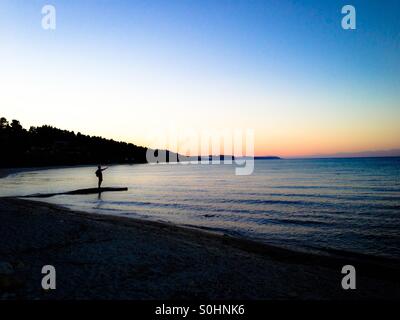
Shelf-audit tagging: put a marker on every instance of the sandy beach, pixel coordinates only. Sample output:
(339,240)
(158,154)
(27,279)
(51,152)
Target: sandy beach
(103,257)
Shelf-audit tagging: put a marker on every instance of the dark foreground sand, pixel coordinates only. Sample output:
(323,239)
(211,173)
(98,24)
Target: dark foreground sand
(98,257)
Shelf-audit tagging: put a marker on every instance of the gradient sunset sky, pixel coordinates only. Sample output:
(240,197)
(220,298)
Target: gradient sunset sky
(129,70)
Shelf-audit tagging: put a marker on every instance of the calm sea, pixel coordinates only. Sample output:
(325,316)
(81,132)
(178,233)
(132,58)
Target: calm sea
(316,204)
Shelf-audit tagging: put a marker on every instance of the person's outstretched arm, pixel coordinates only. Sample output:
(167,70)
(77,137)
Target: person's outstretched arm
(104,169)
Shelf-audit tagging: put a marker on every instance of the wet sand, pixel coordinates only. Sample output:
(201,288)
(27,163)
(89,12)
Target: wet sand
(104,257)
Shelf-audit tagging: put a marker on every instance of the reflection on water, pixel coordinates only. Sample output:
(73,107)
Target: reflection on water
(346,204)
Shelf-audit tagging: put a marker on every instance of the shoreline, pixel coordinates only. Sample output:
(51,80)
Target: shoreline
(5,172)
(289,254)
(170,261)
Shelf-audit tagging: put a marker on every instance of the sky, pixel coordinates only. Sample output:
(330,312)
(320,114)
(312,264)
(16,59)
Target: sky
(138,70)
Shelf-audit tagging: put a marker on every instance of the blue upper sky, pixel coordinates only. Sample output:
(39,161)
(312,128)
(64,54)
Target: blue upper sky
(270,65)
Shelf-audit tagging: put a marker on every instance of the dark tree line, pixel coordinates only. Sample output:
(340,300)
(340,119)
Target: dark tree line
(49,146)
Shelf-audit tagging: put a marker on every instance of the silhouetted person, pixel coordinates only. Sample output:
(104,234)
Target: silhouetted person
(99,174)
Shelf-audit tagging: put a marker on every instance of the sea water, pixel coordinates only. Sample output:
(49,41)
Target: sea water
(310,204)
